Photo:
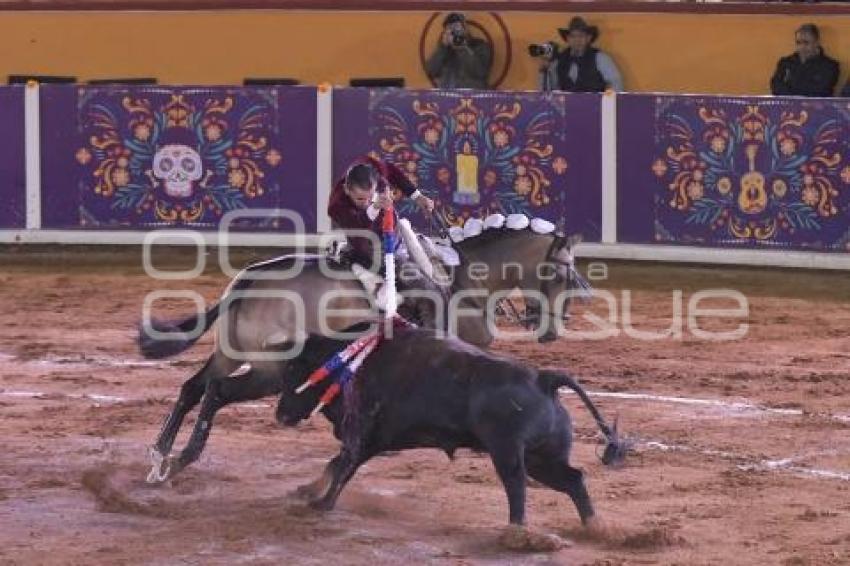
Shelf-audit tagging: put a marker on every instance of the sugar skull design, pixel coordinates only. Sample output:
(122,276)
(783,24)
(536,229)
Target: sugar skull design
(178,166)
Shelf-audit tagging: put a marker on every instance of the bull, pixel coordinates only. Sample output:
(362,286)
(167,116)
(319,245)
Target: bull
(418,390)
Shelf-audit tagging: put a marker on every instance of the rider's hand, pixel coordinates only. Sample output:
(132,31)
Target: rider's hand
(384,200)
(426,204)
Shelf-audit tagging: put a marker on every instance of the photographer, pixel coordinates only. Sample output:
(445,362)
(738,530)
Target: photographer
(580,67)
(460,60)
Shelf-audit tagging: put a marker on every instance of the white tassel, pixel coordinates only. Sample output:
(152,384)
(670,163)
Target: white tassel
(389,286)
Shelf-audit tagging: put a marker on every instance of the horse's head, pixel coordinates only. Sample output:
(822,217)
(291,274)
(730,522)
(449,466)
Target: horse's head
(541,266)
(559,281)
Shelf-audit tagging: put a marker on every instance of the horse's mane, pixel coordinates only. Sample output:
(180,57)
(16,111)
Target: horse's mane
(491,235)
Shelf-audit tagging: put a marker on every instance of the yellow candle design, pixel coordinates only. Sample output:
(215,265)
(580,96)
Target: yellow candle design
(467,177)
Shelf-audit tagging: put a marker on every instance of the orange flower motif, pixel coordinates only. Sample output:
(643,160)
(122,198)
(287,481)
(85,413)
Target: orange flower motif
(213,132)
(810,195)
(142,132)
(559,166)
(659,167)
(236,178)
(273,157)
(695,190)
(718,144)
(845,175)
(501,138)
(724,185)
(83,156)
(120,177)
(788,147)
(522,185)
(432,136)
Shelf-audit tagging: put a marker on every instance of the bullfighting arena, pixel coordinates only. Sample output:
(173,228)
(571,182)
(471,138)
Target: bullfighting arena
(740,449)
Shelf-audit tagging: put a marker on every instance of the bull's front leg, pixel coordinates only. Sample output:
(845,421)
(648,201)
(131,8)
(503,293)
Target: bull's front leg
(342,468)
(318,487)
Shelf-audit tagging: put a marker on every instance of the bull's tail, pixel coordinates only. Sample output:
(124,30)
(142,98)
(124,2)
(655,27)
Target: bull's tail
(181,334)
(615,448)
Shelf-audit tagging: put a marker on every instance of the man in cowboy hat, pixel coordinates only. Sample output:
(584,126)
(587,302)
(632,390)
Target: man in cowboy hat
(460,60)
(580,67)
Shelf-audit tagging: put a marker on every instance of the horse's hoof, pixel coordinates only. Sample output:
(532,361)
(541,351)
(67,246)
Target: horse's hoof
(160,467)
(306,492)
(548,337)
(320,505)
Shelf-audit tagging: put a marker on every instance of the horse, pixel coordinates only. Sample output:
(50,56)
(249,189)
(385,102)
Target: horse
(256,314)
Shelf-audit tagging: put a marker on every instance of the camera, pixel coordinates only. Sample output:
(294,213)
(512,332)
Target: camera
(547,50)
(458,37)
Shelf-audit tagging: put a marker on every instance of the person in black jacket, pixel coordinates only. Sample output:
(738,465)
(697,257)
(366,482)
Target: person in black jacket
(807,72)
(580,67)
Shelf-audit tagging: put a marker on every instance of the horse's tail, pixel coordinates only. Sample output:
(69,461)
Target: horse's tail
(181,334)
(615,448)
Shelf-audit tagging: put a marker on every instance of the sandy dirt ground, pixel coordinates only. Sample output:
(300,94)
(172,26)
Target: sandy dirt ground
(741,450)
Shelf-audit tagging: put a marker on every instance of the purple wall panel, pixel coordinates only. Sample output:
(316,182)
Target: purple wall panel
(636,184)
(758,172)
(148,157)
(481,152)
(350,127)
(12,164)
(298,147)
(60,190)
(583,187)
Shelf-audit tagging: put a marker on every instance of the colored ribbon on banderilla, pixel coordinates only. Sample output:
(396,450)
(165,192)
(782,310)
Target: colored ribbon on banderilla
(346,363)
(388,233)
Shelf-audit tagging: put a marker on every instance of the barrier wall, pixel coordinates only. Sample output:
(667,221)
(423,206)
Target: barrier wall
(697,175)
(12,166)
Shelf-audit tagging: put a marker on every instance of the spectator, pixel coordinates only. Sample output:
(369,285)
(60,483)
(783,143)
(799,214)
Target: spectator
(460,60)
(808,71)
(580,67)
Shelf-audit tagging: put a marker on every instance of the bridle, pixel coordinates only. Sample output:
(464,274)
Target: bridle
(532,315)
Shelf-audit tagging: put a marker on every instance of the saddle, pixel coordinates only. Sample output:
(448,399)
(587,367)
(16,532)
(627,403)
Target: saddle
(422,264)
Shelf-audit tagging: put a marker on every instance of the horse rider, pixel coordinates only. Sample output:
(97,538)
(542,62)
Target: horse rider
(359,200)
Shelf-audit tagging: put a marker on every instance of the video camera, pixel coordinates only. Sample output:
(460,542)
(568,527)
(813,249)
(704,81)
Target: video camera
(548,50)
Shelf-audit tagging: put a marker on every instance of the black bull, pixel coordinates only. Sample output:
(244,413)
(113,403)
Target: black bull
(420,391)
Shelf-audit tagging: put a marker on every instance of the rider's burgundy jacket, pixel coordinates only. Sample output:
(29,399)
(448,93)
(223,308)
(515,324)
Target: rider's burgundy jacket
(345,214)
